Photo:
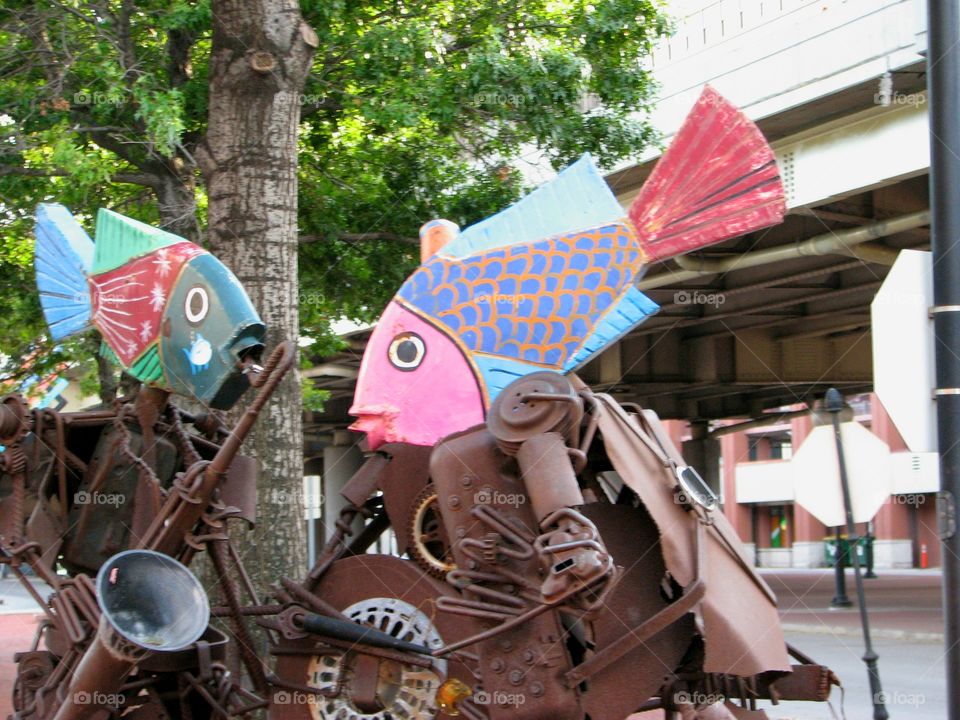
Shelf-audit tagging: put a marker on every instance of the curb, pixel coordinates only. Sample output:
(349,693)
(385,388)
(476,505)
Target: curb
(857,632)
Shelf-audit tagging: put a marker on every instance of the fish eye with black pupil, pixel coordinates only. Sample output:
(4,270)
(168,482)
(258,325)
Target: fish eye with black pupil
(406,351)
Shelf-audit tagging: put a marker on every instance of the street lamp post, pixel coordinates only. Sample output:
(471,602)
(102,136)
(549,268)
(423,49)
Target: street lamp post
(833,403)
(943,85)
(840,599)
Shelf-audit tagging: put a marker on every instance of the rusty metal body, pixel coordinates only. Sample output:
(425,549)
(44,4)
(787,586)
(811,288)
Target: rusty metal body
(554,567)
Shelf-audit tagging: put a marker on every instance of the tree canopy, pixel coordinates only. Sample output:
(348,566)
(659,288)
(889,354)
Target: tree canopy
(411,111)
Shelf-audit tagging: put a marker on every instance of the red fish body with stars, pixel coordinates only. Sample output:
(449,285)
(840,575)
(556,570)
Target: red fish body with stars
(170,313)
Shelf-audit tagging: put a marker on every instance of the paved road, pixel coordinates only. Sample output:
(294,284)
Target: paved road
(913,676)
(905,613)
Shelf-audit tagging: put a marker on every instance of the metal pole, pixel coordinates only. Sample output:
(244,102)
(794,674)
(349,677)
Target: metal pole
(868,549)
(943,85)
(840,599)
(833,403)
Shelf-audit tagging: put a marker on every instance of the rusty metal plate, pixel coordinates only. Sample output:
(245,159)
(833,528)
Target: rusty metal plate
(354,582)
(632,537)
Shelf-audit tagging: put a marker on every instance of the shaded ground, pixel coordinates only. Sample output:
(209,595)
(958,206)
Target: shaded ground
(905,614)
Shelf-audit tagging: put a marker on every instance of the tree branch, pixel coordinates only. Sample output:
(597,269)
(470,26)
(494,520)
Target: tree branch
(145,179)
(359,237)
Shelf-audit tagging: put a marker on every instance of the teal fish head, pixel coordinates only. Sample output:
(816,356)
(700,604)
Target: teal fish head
(209,327)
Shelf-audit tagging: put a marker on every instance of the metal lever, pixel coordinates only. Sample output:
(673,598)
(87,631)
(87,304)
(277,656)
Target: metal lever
(352,632)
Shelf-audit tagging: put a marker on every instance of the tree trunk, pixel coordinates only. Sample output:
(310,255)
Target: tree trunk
(177,204)
(262,51)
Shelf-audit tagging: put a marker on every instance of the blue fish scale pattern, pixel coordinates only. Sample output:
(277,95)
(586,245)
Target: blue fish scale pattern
(535,302)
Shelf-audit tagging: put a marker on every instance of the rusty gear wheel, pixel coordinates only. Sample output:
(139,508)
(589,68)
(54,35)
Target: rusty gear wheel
(429,544)
(15,419)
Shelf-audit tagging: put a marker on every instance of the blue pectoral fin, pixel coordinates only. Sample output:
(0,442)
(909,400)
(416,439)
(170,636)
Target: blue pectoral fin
(498,372)
(631,310)
(62,259)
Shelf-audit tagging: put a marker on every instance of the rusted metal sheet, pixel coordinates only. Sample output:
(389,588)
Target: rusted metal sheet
(734,614)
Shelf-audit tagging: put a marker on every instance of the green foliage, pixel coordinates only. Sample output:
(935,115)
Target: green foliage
(413,111)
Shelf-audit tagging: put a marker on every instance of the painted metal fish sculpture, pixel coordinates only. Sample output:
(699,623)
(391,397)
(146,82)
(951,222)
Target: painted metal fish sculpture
(548,283)
(170,313)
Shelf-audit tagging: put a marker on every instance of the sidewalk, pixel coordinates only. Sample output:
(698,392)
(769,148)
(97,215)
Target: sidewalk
(902,604)
(905,607)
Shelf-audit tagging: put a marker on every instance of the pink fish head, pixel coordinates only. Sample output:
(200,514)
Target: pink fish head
(415,384)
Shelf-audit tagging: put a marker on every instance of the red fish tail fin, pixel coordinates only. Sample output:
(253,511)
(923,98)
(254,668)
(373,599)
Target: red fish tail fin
(717,180)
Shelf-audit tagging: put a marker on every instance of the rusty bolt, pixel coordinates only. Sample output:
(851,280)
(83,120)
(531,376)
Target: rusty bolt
(454,502)
(506,645)
(472,564)
(466,481)
(516,677)
(497,665)
(529,656)
(536,689)
(461,532)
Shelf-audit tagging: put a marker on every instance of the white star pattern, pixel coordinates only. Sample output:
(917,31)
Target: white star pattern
(157,298)
(131,347)
(146,330)
(162,262)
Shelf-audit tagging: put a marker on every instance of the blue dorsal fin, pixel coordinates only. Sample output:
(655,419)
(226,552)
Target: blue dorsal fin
(120,238)
(628,312)
(62,259)
(578,198)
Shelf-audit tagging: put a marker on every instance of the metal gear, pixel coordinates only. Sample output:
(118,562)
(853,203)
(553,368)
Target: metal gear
(429,544)
(410,690)
(15,419)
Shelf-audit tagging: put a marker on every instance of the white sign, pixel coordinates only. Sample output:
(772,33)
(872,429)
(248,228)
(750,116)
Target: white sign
(816,474)
(903,357)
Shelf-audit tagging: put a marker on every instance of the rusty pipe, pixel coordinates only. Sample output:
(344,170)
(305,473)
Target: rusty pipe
(179,515)
(548,474)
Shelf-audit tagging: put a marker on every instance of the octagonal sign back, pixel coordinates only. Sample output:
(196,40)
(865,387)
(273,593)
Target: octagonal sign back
(816,473)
